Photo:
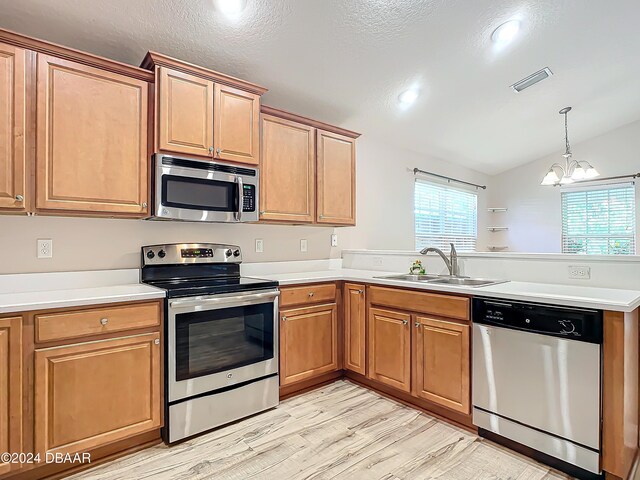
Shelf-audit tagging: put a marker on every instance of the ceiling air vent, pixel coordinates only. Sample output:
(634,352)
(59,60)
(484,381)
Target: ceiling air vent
(531,79)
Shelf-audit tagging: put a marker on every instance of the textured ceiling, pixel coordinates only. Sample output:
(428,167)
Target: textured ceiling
(345,62)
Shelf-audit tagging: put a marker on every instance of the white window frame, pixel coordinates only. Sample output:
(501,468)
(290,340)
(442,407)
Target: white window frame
(462,241)
(565,236)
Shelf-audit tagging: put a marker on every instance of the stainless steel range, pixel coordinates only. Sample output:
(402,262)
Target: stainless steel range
(222,336)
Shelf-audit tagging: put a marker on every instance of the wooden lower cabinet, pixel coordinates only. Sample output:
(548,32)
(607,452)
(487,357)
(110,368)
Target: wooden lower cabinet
(94,393)
(10,389)
(441,364)
(390,348)
(355,320)
(308,342)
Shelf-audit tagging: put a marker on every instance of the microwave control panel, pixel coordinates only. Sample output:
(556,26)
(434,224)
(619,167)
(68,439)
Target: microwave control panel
(249,198)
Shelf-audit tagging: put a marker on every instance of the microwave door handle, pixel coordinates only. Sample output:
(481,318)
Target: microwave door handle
(240,198)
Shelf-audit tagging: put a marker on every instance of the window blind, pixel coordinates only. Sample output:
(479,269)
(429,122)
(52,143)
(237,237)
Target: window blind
(599,221)
(445,215)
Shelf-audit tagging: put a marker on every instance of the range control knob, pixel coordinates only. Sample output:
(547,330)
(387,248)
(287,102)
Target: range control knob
(162,254)
(567,326)
(227,252)
(150,254)
(236,253)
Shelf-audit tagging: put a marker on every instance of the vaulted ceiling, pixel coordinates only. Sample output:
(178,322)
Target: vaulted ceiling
(346,62)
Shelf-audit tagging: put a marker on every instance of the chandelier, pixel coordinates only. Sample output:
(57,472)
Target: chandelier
(572,170)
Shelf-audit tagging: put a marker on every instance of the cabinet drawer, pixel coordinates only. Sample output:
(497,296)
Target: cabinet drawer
(450,306)
(94,321)
(308,294)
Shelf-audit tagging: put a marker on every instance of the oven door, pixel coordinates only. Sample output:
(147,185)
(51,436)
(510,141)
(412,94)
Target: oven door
(219,341)
(198,193)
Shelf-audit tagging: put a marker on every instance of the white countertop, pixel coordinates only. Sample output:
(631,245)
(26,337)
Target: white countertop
(39,291)
(565,295)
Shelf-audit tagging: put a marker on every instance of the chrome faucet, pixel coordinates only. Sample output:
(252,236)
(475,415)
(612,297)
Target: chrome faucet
(451,263)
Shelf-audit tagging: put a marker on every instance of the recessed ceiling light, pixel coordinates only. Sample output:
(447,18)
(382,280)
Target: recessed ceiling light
(231,8)
(506,32)
(407,97)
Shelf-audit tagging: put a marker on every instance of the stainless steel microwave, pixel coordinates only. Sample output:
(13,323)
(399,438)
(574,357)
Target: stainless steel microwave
(204,191)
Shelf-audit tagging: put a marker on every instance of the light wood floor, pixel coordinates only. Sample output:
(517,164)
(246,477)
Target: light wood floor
(341,431)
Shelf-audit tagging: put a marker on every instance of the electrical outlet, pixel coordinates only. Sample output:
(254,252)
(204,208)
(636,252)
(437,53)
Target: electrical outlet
(259,245)
(334,239)
(378,261)
(581,272)
(303,245)
(45,248)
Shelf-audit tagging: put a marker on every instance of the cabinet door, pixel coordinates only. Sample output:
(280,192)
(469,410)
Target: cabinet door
(442,363)
(308,342)
(336,179)
(91,139)
(236,125)
(90,394)
(287,171)
(12,126)
(185,113)
(10,389)
(354,328)
(390,348)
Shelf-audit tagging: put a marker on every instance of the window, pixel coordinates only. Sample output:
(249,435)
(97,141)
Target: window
(445,215)
(599,220)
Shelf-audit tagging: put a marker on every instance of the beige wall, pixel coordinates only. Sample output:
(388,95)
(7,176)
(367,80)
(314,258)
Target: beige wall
(96,244)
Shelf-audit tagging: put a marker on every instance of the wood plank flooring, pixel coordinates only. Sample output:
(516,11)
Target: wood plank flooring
(341,431)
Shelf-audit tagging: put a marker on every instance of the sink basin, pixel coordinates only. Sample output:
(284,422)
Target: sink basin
(467,282)
(412,278)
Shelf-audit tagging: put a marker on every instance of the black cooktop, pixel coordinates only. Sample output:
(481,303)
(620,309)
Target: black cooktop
(190,287)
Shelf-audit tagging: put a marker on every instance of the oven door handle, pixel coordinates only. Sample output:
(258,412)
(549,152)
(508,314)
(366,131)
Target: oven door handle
(240,198)
(238,299)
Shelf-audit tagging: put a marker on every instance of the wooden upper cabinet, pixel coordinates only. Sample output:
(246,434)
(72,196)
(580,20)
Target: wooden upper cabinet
(287,169)
(91,139)
(94,393)
(390,348)
(12,127)
(10,389)
(336,179)
(442,363)
(185,113)
(308,342)
(355,328)
(236,125)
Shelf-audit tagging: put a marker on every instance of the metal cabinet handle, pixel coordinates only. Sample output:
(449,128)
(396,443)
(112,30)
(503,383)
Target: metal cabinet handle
(104,321)
(360,292)
(417,324)
(157,341)
(405,322)
(284,318)
(144,204)
(20,198)
(311,294)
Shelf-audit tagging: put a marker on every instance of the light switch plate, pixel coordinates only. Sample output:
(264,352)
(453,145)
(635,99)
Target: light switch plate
(334,239)
(45,248)
(303,245)
(259,245)
(581,272)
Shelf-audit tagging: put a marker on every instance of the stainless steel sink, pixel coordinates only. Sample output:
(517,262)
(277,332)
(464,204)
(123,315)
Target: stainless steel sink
(412,278)
(444,280)
(467,282)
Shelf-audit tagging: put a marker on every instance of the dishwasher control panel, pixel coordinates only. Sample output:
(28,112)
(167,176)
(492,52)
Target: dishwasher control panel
(572,323)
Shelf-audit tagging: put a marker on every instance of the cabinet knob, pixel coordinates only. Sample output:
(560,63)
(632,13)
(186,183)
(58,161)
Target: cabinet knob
(284,318)
(20,198)
(157,341)
(360,292)
(104,321)
(144,204)
(211,149)
(405,322)
(417,324)
(311,294)
(218,151)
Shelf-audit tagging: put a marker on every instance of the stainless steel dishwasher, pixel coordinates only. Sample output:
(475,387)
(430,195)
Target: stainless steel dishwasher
(537,381)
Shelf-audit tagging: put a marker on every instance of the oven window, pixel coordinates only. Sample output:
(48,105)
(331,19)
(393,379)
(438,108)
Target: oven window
(218,340)
(199,194)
